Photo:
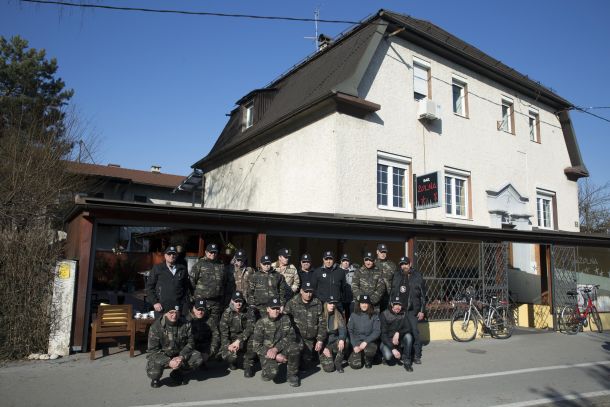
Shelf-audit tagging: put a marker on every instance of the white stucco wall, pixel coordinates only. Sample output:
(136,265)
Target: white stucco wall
(330,166)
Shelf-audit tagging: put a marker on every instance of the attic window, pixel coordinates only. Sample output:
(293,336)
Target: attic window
(248,115)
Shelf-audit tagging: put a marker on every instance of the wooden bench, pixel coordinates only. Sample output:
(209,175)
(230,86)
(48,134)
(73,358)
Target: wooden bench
(113,321)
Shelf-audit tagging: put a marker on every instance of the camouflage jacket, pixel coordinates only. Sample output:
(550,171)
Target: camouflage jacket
(238,278)
(369,281)
(290,274)
(308,318)
(264,286)
(208,279)
(205,334)
(235,325)
(169,340)
(268,333)
(387,269)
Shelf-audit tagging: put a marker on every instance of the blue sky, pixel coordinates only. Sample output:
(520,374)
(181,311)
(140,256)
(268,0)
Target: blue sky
(155,88)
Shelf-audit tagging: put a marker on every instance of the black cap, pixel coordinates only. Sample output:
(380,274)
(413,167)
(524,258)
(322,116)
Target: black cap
(237,296)
(265,259)
(345,256)
(284,252)
(364,299)
(169,305)
(382,247)
(328,255)
(332,299)
(212,248)
(404,260)
(396,300)
(200,303)
(274,303)
(171,249)
(369,255)
(240,255)
(307,287)
(306,257)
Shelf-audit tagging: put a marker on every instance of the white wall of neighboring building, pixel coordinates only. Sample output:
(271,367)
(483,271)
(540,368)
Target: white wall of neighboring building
(330,166)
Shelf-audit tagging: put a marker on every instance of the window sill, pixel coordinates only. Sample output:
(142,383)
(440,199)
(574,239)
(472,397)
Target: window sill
(507,132)
(457,217)
(535,141)
(391,208)
(461,115)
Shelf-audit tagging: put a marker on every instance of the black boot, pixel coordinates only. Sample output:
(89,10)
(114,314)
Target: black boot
(178,377)
(339,363)
(368,363)
(155,383)
(294,381)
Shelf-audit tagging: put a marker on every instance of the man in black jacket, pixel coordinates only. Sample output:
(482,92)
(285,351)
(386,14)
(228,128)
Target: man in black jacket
(329,280)
(168,281)
(396,337)
(408,284)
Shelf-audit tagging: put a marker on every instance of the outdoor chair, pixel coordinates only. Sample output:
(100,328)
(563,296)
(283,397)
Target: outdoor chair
(113,321)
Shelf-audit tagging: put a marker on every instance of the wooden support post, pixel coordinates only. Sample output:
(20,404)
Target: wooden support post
(261,246)
(201,249)
(84,228)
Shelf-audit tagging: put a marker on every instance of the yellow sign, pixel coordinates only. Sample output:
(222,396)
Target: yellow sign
(64,271)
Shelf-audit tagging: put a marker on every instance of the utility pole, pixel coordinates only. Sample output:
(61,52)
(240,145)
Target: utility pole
(316,17)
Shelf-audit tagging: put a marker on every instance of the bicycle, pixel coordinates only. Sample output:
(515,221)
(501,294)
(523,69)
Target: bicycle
(495,317)
(571,320)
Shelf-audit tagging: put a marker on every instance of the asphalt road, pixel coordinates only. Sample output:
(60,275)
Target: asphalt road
(530,369)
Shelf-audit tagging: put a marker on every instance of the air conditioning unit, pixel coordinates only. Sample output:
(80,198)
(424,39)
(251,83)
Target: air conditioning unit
(428,110)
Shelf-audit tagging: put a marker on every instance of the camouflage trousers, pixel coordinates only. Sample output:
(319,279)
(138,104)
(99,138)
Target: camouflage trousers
(271,367)
(158,362)
(355,359)
(329,363)
(215,308)
(309,356)
(244,353)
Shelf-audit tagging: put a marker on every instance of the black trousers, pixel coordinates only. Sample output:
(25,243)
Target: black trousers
(412,315)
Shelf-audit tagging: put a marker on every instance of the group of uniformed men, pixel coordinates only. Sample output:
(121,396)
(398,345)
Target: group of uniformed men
(279,314)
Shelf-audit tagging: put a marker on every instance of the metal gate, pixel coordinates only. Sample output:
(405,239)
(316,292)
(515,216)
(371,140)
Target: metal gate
(450,267)
(563,272)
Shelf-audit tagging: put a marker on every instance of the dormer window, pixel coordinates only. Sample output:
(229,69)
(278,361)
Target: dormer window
(249,115)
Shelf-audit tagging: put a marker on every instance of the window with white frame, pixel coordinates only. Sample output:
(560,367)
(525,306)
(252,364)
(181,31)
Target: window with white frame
(544,209)
(456,193)
(507,124)
(249,115)
(421,79)
(459,97)
(534,126)
(393,175)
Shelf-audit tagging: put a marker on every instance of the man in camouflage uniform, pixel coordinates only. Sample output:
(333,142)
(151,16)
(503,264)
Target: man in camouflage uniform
(239,273)
(264,285)
(204,329)
(288,271)
(209,281)
(368,280)
(236,328)
(387,269)
(307,315)
(171,346)
(275,341)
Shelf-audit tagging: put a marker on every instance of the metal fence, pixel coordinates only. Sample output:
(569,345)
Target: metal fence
(450,267)
(563,270)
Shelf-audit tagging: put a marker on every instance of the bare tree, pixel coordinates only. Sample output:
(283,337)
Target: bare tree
(594,207)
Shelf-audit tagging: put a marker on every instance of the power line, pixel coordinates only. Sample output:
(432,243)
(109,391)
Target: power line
(186,12)
(584,110)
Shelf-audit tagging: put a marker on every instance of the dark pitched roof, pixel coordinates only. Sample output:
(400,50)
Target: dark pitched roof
(338,70)
(135,176)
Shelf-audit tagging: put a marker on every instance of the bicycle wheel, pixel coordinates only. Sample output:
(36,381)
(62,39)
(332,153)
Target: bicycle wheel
(595,322)
(502,323)
(569,323)
(463,325)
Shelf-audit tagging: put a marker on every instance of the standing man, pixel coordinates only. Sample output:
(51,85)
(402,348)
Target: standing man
(209,281)
(307,315)
(168,281)
(409,285)
(236,328)
(239,273)
(170,346)
(205,330)
(265,285)
(387,268)
(348,297)
(288,271)
(306,273)
(329,280)
(368,281)
(275,342)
